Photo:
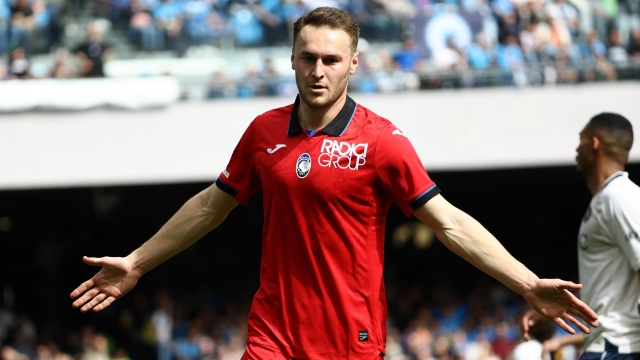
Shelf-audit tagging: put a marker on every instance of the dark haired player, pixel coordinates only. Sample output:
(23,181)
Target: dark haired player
(329,169)
(608,243)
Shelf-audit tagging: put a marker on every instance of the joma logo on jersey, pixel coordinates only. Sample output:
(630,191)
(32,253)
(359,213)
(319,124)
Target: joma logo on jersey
(342,155)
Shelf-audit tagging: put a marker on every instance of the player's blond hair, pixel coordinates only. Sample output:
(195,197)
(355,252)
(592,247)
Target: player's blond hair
(332,18)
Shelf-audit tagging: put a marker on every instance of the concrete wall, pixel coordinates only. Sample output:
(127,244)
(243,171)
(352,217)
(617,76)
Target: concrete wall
(451,130)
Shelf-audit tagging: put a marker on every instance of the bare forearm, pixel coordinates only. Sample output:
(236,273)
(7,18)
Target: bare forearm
(188,225)
(471,241)
(577,340)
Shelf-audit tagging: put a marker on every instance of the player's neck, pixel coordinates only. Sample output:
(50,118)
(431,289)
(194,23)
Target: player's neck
(315,119)
(602,171)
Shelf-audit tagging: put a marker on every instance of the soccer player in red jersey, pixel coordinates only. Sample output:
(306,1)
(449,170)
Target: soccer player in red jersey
(329,169)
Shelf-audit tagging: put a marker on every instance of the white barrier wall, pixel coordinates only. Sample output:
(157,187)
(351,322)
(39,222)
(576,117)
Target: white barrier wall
(81,94)
(451,130)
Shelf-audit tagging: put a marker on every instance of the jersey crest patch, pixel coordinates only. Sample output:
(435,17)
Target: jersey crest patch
(303,165)
(583,241)
(587,215)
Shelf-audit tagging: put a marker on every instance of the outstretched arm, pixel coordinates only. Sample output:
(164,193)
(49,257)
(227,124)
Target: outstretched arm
(466,237)
(199,215)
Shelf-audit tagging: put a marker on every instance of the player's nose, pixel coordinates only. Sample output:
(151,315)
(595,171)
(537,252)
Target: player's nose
(318,71)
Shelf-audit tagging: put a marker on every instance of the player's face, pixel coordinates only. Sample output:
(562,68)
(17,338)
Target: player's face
(323,61)
(585,151)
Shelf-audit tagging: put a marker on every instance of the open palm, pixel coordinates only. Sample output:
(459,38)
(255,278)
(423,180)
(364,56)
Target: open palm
(553,299)
(116,278)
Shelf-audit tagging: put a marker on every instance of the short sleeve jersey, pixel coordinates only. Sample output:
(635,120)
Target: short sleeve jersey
(326,196)
(609,260)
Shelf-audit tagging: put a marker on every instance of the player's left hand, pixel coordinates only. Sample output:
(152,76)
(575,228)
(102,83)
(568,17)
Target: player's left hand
(553,299)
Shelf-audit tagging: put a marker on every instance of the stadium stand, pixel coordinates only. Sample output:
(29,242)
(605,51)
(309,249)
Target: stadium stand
(195,305)
(221,49)
(240,48)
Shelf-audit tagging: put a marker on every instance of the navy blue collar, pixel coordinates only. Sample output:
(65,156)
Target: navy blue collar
(336,127)
(613,177)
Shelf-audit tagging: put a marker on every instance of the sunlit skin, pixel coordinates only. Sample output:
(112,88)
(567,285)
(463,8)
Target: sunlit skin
(584,153)
(323,60)
(593,163)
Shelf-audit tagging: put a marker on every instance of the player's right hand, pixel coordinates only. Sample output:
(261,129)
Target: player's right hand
(113,281)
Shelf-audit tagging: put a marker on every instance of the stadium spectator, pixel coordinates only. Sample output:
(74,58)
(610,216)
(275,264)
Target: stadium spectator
(196,29)
(634,45)
(478,54)
(419,341)
(268,74)
(5,24)
(45,33)
(273,16)
(18,67)
(168,17)
(143,30)
(250,86)
(162,322)
(564,72)
(503,343)
(7,323)
(25,337)
(449,57)
(442,349)
(292,9)
(509,55)
(96,346)
(60,68)
(617,53)
(409,57)
(22,24)
(219,87)
(246,26)
(93,53)
(628,18)
(188,347)
(594,51)
(534,348)
(217,25)
(565,14)
(506,18)
(559,36)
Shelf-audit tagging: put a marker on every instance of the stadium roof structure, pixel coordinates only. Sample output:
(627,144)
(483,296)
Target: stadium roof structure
(192,141)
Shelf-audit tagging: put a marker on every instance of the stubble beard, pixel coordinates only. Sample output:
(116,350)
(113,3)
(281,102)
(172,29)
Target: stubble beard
(333,93)
(583,166)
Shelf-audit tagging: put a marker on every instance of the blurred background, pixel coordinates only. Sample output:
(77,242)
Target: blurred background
(115,112)
(241,48)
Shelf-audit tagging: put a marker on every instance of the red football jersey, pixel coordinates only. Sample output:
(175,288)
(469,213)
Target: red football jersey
(326,197)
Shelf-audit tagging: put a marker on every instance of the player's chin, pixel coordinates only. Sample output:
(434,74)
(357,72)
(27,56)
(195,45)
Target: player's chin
(317,101)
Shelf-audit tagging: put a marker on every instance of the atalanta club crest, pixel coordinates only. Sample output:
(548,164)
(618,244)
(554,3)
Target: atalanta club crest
(303,165)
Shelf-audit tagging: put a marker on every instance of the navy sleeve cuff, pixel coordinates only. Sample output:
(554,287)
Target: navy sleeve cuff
(424,197)
(226,188)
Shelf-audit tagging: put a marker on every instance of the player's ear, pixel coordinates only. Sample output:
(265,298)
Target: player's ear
(354,63)
(293,66)
(596,144)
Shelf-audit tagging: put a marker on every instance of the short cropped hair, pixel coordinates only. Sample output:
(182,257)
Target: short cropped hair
(543,331)
(615,132)
(333,19)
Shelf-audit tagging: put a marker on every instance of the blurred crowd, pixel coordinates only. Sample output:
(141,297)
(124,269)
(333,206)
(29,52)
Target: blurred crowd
(432,43)
(177,24)
(86,60)
(483,325)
